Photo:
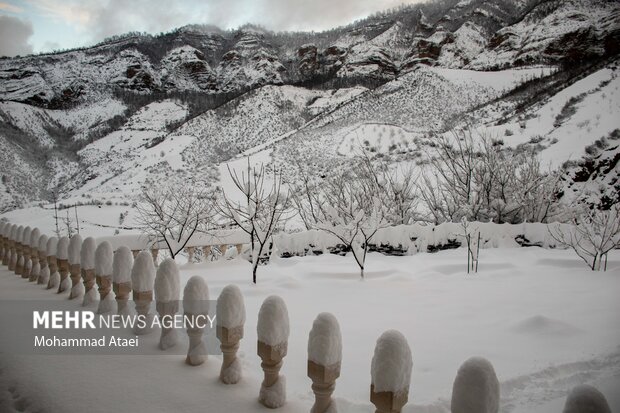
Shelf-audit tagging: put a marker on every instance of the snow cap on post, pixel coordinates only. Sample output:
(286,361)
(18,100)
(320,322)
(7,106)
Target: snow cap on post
(52,246)
(325,341)
(25,240)
(476,388)
(87,254)
(586,399)
(63,248)
(104,256)
(273,325)
(122,265)
(167,282)
(34,238)
(42,244)
(75,247)
(196,296)
(143,272)
(392,363)
(230,308)
(18,234)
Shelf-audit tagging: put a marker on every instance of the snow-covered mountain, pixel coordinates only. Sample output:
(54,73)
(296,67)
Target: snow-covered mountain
(102,121)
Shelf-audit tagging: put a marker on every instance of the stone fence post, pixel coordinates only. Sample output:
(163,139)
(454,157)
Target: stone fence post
(324,360)
(273,332)
(391,373)
(230,320)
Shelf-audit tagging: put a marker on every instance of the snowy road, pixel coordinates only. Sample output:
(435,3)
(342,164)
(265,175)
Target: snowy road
(541,317)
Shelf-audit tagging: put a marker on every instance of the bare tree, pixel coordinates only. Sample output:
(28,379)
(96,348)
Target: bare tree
(592,235)
(400,193)
(537,192)
(265,204)
(471,234)
(306,196)
(478,178)
(173,214)
(354,210)
(448,185)
(55,199)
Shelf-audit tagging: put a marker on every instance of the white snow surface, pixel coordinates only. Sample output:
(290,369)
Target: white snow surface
(230,307)
(196,296)
(273,323)
(476,388)
(325,341)
(392,363)
(446,315)
(87,254)
(122,265)
(75,248)
(167,283)
(104,259)
(274,396)
(35,234)
(143,272)
(63,248)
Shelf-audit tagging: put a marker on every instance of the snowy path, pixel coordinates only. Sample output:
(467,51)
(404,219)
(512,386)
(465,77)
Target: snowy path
(543,319)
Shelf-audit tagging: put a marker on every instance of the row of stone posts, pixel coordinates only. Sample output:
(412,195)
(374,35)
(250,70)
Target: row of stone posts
(52,261)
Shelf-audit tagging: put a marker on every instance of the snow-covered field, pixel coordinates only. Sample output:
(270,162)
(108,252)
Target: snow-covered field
(541,317)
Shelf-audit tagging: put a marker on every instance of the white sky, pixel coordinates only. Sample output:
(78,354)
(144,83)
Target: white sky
(43,25)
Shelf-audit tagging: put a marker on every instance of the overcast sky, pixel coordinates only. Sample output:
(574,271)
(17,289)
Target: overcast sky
(28,26)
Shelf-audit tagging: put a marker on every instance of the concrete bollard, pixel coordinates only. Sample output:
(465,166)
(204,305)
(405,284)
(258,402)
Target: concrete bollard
(229,329)
(52,263)
(167,295)
(75,269)
(142,281)
(26,257)
(324,361)
(191,251)
(273,332)
(63,265)
(44,271)
(155,254)
(206,251)
(391,373)
(586,399)
(223,248)
(104,258)
(19,262)
(195,305)
(3,227)
(476,388)
(6,258)
(35,267)
(10,234)
(15,249)
(87,265)
(121,277)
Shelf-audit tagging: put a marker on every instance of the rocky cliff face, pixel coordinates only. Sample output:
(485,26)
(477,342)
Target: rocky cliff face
(474,34)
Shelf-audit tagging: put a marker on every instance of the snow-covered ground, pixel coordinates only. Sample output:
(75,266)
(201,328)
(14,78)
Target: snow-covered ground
(541,317)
